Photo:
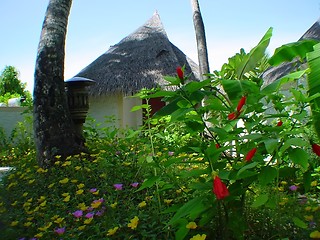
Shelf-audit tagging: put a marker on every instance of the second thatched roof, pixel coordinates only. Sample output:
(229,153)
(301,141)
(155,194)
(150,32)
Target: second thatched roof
(283,69)
(140,60)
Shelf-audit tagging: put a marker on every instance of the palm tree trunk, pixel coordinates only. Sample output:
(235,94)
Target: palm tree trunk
(201,39)
(53,126)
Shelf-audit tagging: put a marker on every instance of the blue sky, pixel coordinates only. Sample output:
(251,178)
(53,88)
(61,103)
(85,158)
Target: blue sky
(95,25)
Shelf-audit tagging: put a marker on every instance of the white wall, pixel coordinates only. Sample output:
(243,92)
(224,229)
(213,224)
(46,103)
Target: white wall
(9,117)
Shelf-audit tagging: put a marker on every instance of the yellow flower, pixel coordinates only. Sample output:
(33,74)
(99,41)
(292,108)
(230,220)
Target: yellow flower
(82,206)
(31,181)
(314,183)
(27,224)
(39,235)
(307,208)
(30,219)
(96,204)
(168,201)
(77,168)
(142,204)
(191,225)
(87,221)
(51,185)
(113,205)
(25,194)
(55,217)
(57,163)
(59,220)
(41,198)
(315,234)
(67,198)
(14,223)
(14,203)
(41,170)
(45,228)
(133,223)
(199,237)
(96,192)
(65,194)
(112,231)
(81,185)
(308,218)
(284,183)
(67,163)
(30,199)
(74,180)
(63,181)
(43,204)
(81,227)
(80,191)
(58,156)
(26,204)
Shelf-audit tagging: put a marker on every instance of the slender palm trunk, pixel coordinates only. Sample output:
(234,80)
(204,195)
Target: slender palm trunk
(201,39)
(53,126)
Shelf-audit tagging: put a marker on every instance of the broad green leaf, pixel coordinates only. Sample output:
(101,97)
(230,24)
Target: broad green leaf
(252,136)
(168,109)
(194,205)
(246,167)
(149,182)
(182,231)
(139,107)
(162,93)
(255,55)
(267,175)
(194,86)
(275,86)
(313,59)
(237,88)
(271,144)
(246,174)
(201,186)
(172,80)
(287,52)
(260,200)
(293,142)
(299,223)
(300,157)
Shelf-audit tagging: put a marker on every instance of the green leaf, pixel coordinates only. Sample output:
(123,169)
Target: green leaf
(237,88)
(194,86)
(260,200)
(182,231)
(139,107)
(201,186)
(300,157)
(149,182)
(172,80)
(162,93)
(313,59)
(271,145)
(246,167)
(299,223)
(267,175)
(287,52)
(255,55)
(194,205)
(275,86)
(293,142)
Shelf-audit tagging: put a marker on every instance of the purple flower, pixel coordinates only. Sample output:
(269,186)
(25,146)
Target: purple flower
(89,215)
(170,153)
(99,213)
(293,188)
(135,184)
(118,152)
(60,231)
(78,213)
(92,190)
(118,186)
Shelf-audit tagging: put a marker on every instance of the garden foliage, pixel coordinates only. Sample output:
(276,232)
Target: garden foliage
(225,159)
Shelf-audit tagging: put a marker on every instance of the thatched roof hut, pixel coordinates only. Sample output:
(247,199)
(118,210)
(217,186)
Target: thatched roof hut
(283,69)
(138,61)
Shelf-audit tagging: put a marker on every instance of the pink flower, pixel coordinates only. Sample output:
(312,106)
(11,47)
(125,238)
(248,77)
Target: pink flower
(60,231)
(293,188)
(78,213)
(89,215)
(92,190)
(170,153)
(118,186)
(135,184)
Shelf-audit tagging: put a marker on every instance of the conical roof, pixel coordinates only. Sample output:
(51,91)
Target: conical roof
(285,68)
(138,61)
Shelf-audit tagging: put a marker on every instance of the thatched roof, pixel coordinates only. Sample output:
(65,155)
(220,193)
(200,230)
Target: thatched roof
(283,69)
(138,61)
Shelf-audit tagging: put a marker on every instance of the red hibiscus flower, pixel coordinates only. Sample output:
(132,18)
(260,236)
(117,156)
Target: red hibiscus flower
(219,188)
(316,149)
(250,154)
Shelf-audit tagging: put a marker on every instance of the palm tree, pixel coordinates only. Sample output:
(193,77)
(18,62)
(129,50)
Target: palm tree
(53,126)
(201,39)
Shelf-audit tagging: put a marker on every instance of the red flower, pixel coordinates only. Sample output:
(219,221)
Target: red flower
(180,73)
(217,145)
(219,188)
(232,116)
(241,103)
(316,149)
(250,154)
(279,124)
